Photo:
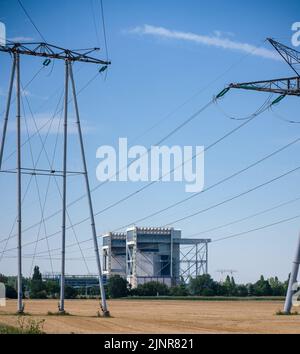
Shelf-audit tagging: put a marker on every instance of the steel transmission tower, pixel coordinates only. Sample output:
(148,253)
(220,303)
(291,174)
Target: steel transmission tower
(224,272)
(47,51)
(284,87)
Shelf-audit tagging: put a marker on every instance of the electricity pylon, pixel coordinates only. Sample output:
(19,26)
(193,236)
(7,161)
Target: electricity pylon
(225,271)
(284,87)
(48,51)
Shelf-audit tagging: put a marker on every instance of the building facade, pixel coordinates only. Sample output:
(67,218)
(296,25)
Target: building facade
(144,254)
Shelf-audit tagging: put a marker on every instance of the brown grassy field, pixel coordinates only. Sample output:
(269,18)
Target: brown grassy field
(158,316)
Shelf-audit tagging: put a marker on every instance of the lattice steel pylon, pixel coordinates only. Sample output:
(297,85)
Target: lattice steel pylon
(48,51)
(224,272)
(284,87)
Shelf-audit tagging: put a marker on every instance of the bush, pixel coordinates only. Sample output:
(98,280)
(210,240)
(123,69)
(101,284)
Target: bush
(11,292)
(207,292)
(152,288)
(179,290)
(52,288)
(25,326)
(70,293)
(39,295)
(242,290)
(262,288)
(117,287)
(203,285)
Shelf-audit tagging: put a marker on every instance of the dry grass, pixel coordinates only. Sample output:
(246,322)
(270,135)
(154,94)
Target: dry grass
(159,316)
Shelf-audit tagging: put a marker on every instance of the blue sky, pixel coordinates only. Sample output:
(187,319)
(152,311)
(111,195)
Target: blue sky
(164,54)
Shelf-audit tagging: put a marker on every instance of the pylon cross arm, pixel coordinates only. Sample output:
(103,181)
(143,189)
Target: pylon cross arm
(46,50)
(285,86)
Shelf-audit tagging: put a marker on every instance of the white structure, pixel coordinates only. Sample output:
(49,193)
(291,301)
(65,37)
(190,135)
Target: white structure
(144,254)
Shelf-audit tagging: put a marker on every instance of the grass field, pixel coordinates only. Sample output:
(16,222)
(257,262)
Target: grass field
(158,316)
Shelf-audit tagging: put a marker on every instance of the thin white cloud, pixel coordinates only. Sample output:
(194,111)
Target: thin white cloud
(21,39)
(215,40)
(27,93)
(46,125)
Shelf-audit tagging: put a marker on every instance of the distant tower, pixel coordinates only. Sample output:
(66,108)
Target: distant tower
(225,272)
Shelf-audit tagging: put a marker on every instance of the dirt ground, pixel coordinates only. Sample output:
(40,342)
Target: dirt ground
(154,316)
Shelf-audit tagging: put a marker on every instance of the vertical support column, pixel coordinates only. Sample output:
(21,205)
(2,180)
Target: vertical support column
(293,279)
(110,254)
(134,259)
(88,191)
(197,261)
(171,257)
(127,261)
(206,258)
(64,197)
(11,84)
(19,185)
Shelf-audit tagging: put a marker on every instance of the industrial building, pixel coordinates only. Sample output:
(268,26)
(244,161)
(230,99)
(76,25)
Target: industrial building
(143,254)
(75,281)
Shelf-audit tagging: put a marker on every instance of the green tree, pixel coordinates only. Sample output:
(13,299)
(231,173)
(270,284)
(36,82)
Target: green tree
(152,288)
(278,288)
(242,290)
(179,290)
(262,287)
(229,287)
(3,279)
(36,286)
(11,292)
(203,285)
(70,292)
(52,288)
(37,274)
(117,287)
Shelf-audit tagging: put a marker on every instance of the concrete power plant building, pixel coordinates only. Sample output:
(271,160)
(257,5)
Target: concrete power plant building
(143,254)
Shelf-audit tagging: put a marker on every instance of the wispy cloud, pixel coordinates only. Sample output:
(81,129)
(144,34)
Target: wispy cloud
(216,40)
(27,93)
(21,39)
(45,124)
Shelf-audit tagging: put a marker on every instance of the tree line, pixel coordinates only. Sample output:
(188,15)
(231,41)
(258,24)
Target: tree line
(117,287)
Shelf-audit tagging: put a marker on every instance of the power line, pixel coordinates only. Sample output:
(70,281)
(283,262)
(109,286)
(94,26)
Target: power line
(38,158)
(94,21)
(212,186)
(28,83)
(31,20)
(232,235)
(84,87)
(104,28)
(184,218)
(244,218)
(234,197)
(280,117)
(264,107)
(50,163)
(213,229)
(42,205)
(114,175)
(192,117)
(256,229)
(238,118)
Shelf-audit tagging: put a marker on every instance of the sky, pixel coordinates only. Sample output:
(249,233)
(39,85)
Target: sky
(169,59)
